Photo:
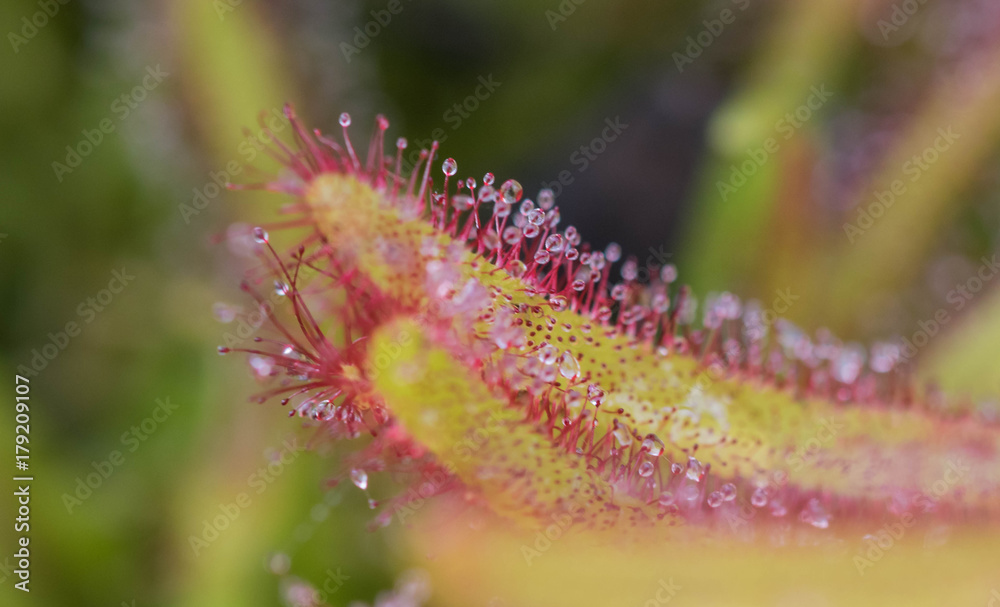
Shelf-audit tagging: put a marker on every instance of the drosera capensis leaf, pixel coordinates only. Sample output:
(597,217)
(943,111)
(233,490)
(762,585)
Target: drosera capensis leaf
(483,343)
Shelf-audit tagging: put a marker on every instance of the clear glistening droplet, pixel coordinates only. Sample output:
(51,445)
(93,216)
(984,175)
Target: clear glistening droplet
(652,445)
(568,366)
(613,252)
(695,470)
(622,437)
(595,395)
(668,273)
(359,478)
(511,191)
(728,492)
(546,199)
(516,268)
(548,354)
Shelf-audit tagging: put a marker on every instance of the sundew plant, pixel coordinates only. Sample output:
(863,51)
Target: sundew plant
(533,303)
(618,436)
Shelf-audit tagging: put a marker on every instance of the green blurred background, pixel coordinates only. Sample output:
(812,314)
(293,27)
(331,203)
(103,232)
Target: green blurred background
(702,88)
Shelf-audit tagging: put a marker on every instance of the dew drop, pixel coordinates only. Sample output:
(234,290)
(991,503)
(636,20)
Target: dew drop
(260,235)
(449,167)
(511,191)
(345,119)
(536,217)
(462,202)
(645,469)
(815,515)
(695,470)
(542,257)
(359,478)
(884,357)
(668,273)
(300,594)
(604,314)
(488,179)
(224,313)
(548,354)
(630,270)
(613,252)
(618,292)
(690,493)
(261,365)
(623,438)
(572,236)
(558,303)
(759,497)
(546,198)
(848,364)
(568,366)
(222,350)
(652,445)
(715,499)
(511,235)
(279,563)
(553,219)
(728,492)
(401,143)
(554,244)
(676,468)
(667,499)
(281,288)
(595,395)
(660,303)
(516,268)
(501,209)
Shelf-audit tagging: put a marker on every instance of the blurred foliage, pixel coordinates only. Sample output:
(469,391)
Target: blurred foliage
(655,188)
